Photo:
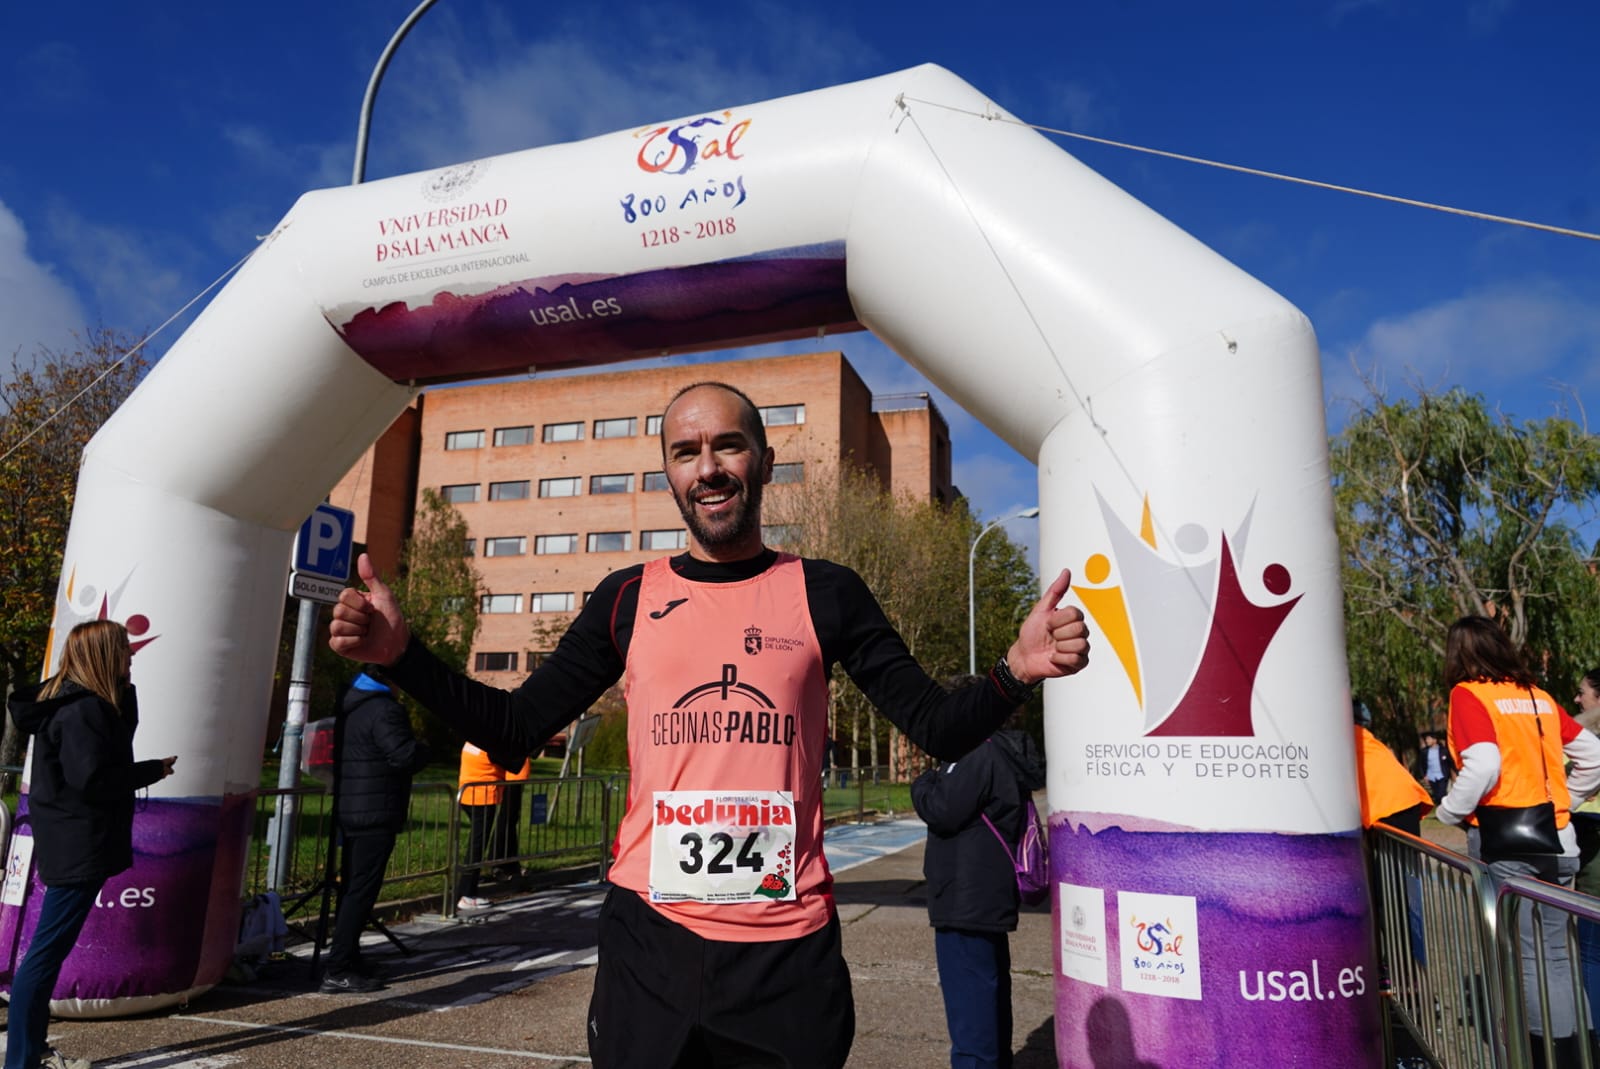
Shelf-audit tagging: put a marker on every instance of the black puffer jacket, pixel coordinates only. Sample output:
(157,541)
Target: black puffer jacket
(82,782)
(971,884)
(375,756)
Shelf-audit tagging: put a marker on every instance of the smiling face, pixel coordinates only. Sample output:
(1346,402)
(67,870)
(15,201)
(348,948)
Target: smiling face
(1588,699)
(716,468)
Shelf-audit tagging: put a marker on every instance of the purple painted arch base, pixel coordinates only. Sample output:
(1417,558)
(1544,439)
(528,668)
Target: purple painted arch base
(1280,949)
(161,931)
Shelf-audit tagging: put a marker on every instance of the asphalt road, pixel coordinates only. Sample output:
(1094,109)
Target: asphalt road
(510,988)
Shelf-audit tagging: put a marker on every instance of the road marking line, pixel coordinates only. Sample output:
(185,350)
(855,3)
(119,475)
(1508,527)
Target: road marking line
(253,1026)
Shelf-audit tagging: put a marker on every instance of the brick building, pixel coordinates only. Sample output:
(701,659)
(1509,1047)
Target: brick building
(560,480)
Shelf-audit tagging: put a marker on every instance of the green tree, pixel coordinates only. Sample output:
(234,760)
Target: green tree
(1445,507)
(438,587)
(912,554)
(438,590)
(51,404)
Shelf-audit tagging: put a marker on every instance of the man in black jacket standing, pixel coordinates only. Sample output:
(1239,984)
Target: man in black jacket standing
(972,887)
(375,755)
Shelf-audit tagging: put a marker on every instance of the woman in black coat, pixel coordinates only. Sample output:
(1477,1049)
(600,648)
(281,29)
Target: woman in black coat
(80,805)
(972,886)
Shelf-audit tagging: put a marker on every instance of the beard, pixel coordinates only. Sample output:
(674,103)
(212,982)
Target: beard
(729,527)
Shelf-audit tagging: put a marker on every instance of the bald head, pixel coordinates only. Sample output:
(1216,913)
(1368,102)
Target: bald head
(749,417)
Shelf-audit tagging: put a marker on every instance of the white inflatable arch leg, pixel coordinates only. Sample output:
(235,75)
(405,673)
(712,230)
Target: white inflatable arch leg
(1202,790)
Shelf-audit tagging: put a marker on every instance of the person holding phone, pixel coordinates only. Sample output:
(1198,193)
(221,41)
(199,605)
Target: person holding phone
(80,805)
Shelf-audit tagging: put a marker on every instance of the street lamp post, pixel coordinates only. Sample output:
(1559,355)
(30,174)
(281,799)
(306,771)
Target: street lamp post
(972,601)
(281,832)
(364,125)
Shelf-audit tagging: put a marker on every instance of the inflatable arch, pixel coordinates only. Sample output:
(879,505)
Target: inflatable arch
(1202,788)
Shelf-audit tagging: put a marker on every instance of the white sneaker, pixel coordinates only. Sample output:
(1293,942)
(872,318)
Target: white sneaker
(468,902)
(54,1059)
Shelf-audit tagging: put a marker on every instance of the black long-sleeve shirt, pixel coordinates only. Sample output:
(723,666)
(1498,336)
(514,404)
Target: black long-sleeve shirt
(591,656)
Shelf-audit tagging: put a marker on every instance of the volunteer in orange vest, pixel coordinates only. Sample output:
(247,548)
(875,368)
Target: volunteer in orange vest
(1511,743)
(719,942)
(485,803)
(1389,794)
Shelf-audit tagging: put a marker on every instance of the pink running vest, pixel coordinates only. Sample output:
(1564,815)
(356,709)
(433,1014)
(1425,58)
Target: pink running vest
(727,719)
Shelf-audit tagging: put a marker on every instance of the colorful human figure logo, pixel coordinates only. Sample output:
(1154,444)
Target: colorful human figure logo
(1177,617)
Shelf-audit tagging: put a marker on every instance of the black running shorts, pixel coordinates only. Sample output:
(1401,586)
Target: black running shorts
(666,998)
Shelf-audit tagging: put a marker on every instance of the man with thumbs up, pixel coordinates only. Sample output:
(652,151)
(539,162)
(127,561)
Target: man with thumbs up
(719,941)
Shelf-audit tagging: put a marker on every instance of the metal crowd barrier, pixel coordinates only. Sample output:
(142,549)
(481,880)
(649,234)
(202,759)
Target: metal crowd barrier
(565,820)
(558,820)
(850,794)
(1451,947)
(1435,916)
(1524,907)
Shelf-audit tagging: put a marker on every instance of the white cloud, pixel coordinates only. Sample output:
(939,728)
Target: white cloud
(1076,107)
(457,91)
(133,279)
(1514,343)
(36,307)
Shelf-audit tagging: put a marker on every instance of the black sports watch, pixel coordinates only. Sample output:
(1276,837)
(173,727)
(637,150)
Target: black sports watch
(1010,685)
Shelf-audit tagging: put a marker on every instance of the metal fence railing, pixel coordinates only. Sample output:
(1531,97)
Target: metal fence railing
(548,829)
(549,823)
(1435,916)
(557,823)
(1556,929)
(854,794)
(1484,977)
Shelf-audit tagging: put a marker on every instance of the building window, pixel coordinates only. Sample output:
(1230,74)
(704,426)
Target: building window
(563,432)
(514,436)
(494,662)
(505,547)
(610,541)
(500,603)
(459,493)
(464,440)
(550,602)
(469,547)
(611,484)
(655,480)
(789,473)
(781,534)
(511,491)
(616,428)
(571,487)
(652,425)
(562,543)
(677,539)
(782,415)
(538,657)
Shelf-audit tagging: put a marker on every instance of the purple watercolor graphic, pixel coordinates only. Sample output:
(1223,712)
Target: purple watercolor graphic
(1291,904)
(166,925)
(565,321)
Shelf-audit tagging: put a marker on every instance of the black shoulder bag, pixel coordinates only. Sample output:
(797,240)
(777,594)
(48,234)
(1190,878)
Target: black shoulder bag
(1506,832)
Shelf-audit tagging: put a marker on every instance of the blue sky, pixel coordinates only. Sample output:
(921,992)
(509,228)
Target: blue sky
(146,146)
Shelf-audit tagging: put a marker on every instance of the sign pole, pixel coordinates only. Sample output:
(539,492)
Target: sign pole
(321,566)
(294,726)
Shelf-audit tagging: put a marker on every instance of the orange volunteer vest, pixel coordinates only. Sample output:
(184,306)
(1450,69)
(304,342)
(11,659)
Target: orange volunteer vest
(1523,781)
(1386,787)
(477,768)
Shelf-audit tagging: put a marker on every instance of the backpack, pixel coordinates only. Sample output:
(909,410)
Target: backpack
(1031,859)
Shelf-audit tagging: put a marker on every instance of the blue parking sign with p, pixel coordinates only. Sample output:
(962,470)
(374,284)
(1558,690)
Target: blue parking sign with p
(323,548)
